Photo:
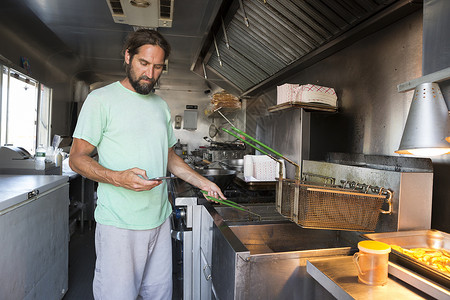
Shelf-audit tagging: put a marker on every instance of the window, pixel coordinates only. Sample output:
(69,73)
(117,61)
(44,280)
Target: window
(44,116)
(25,111)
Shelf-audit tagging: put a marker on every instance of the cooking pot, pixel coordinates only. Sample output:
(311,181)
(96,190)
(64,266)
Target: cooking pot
(221,177)
(233,164)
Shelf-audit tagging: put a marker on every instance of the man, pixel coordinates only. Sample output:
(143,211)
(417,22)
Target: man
(131,129)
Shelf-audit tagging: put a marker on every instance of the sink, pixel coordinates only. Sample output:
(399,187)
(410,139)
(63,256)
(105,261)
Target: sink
(272,233)
(266,259)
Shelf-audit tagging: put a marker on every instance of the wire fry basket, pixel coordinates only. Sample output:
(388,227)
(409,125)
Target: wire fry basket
(313,206)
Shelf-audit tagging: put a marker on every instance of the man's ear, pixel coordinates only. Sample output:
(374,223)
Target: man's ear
(127,57)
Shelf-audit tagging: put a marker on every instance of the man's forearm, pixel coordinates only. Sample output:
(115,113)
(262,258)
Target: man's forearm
(90,168)
(178,167)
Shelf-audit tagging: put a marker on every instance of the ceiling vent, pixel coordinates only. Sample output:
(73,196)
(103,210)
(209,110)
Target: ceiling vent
(145,13)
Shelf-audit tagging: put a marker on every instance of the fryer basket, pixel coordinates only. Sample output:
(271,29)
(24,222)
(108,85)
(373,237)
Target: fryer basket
(313,206)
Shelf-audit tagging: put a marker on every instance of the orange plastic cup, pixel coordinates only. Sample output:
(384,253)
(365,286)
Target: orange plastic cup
(372,262)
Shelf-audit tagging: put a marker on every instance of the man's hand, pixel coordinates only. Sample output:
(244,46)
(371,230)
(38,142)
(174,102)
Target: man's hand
(135,179)
(81,162)
(213,190)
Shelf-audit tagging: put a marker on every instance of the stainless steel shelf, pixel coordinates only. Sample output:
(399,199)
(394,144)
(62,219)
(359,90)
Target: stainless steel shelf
(306,106)
(438,76)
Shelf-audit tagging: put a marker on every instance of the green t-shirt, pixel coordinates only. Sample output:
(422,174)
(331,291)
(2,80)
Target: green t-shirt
(129,130)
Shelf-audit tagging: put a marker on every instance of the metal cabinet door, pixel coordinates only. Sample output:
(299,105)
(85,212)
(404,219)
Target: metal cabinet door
(206,254)
(34,239)
(206,234)
(205,278)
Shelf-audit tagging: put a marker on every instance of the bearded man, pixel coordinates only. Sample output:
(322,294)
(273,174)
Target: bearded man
(132,130)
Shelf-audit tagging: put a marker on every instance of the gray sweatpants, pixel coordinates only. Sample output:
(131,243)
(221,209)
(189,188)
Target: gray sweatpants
(133,264)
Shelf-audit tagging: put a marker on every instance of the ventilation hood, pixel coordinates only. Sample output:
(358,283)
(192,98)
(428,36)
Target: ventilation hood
(254,44)
(142,13)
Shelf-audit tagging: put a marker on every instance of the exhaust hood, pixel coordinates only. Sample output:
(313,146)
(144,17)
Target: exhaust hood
(142,13)
(254,43)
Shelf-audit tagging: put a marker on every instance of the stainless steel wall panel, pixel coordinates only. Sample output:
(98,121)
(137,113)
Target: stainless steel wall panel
(372,113)
(436,56)
(190,94)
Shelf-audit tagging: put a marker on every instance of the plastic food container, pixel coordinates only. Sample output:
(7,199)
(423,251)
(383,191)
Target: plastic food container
(372,262)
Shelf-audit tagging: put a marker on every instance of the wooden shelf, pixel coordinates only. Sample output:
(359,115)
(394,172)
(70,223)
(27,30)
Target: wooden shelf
(306,106)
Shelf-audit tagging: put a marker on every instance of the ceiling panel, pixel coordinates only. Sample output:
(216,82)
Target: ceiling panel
(89,31)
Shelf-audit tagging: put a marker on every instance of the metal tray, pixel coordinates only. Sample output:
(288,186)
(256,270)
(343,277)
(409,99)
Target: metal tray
(416,239)
(254,185)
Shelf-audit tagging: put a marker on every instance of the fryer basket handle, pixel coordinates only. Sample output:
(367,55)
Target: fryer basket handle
(389,201)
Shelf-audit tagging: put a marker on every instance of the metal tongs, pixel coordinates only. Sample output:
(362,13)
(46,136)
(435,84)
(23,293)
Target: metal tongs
(230,203)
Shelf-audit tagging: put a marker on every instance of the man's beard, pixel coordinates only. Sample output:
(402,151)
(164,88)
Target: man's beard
(140,88)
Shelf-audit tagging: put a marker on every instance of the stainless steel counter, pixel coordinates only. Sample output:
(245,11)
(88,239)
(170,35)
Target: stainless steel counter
(267,259)
(339,276)
(235,256)
(15,188)
(34,235)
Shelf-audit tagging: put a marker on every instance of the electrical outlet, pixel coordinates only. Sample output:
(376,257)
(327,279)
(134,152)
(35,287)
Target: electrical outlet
(178,122)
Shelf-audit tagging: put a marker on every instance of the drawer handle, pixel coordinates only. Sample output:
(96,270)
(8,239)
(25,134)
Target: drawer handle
(33,193)
(207,277)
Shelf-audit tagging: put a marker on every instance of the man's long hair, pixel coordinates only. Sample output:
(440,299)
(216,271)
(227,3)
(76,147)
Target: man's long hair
(145,37)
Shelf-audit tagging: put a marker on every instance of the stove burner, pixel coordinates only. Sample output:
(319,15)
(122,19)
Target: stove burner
(238,194)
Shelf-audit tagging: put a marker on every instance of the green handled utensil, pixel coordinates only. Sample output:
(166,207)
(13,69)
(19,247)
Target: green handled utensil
(230,203)
(250,144)
(256,141)
(297,167)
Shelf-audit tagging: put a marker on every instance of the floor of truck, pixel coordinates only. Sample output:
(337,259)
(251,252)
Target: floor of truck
(82,264)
